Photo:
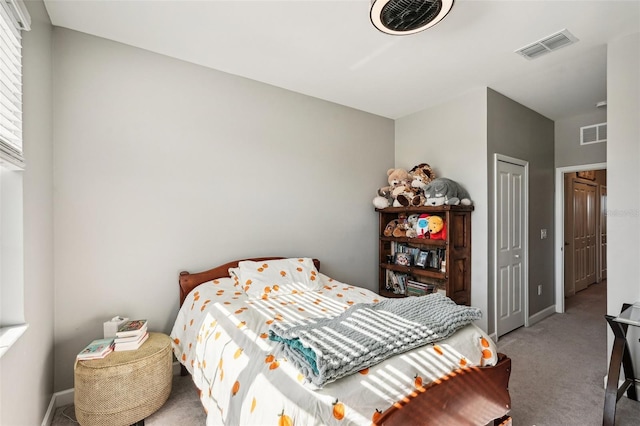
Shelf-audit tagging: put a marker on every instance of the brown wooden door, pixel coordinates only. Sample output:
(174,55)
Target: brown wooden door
(585,246)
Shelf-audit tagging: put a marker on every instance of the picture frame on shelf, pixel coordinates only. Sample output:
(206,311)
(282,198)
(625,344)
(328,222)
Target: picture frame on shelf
(415,252)
(402,259)
(421,261)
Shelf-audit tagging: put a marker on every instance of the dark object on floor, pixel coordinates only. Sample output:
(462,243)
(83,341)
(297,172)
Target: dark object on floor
(620,357)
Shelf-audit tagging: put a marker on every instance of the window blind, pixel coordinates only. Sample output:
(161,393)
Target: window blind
(13,19)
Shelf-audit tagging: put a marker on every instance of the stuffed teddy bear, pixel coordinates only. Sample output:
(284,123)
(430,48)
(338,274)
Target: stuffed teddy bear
(437,230)
(445,191)
(421,175)
(408,196)
(395,179)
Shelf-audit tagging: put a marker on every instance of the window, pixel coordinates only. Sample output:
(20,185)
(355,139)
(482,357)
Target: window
(14,18)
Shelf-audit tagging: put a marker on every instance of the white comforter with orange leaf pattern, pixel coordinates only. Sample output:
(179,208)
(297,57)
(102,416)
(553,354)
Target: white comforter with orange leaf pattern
(221,336)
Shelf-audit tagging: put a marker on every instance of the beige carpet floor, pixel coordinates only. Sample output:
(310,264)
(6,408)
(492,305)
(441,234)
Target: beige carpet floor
(559,365)
(558,373)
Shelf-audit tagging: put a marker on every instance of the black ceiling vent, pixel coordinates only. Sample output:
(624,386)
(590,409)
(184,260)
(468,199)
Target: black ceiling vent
(402,17)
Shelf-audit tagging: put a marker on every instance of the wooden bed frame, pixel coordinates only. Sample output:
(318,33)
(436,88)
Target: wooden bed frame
(470,396)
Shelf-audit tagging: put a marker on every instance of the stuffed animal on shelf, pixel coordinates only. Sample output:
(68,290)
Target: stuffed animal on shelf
(443,191)
(437,228)
(408,196)
(411,226)
(399,227)
(390,228)
(384,198)
(421,175)
(422,226)
(395,229)
(385,195)
(412,222)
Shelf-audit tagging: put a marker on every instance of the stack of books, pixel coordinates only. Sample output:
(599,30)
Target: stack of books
(97,349)
(416,288)
(131,335)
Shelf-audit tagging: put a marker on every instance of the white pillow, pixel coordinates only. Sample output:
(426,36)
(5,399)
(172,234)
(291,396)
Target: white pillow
(273,277)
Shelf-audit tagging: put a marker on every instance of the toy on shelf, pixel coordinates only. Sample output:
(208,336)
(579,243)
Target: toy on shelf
(409,196)
(443,191)
(397,180)
(437,228)
(421,175)
(422,226)
(399,227)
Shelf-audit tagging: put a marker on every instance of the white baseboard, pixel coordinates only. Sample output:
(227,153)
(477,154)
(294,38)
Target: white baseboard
(65,397)
(58,399)
(550,310)
(535,318)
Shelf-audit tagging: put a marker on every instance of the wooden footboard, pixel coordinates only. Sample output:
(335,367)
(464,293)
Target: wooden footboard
(473,396)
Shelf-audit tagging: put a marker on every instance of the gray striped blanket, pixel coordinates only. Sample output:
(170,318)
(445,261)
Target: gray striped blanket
(325,349)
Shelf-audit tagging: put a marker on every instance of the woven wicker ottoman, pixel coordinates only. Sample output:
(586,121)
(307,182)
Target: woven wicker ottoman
(124,387)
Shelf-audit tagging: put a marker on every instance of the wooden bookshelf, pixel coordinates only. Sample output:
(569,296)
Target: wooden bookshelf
(455,250)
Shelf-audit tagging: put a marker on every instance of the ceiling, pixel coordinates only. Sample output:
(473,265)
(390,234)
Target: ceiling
(330,49)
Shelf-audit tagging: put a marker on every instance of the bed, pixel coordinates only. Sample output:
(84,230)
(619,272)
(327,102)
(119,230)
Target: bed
(225,336)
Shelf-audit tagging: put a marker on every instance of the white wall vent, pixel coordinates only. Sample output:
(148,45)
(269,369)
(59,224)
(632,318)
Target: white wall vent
(593,134)
(548,44)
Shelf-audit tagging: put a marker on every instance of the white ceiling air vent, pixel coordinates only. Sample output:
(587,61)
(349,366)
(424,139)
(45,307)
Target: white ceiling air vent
(548,44)
(593,134)
(402,17)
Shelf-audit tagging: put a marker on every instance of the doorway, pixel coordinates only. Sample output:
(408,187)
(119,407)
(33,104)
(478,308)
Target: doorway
(511,244)
(565,272)
(581,260)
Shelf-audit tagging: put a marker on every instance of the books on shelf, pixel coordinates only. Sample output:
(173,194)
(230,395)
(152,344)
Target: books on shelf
(127,344)
(417,288)
(396,282)
(132,328)
(97,349)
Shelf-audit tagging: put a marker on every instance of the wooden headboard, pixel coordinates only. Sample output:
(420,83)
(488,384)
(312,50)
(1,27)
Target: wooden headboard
(189,281)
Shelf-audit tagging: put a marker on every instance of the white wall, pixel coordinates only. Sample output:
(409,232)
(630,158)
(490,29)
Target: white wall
(26,370)
(623,178)
(162,166)
(452,138)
